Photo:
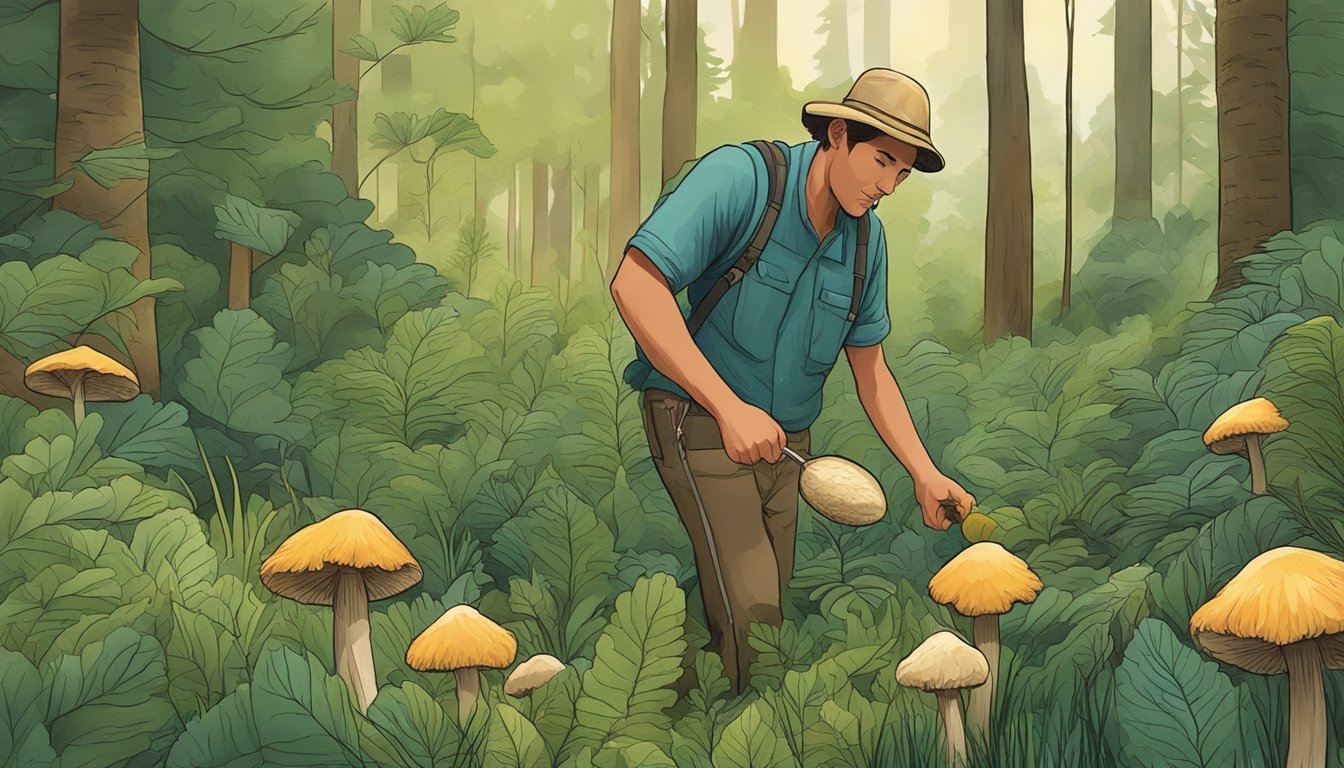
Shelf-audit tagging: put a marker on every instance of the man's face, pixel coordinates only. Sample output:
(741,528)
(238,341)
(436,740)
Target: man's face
(868,172)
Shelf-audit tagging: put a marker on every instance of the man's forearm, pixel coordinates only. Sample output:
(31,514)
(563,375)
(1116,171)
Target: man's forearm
(651,313)
(886,408)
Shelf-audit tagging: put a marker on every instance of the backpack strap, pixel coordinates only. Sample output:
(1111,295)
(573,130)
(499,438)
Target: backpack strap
(860,266)
(776,165)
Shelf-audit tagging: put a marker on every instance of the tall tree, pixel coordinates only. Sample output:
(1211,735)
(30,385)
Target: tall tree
(100,107)
(1255,190)
(833,56)
(756,62)
(511,226)
(1066,300)
(1180,101)
(345,114)
(562,215)
(1008,243)
(543,261)
(625,19)
(1133,109)
(679,96)
(876,33)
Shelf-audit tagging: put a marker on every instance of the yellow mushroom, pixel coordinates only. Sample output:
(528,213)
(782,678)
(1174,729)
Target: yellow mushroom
(462,641)
(943,665)
(1284,612)
(1240,429)
(81,375)
(345,561)
(982,582)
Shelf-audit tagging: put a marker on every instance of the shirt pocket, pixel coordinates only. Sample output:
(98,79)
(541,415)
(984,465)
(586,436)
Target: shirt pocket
(830,323)
(763,296)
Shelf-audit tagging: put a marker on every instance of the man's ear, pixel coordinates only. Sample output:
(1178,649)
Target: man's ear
(836,132)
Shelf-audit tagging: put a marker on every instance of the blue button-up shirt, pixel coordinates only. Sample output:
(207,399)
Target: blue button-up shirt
(776,334)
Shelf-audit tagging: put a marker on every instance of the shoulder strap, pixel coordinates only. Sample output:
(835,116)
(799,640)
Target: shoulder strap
(860,265)
(776,164)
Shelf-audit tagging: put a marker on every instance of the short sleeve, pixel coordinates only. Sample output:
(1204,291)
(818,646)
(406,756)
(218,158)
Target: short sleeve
(705,215)
(873,323)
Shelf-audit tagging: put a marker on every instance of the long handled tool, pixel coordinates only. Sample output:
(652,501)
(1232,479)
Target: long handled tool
(847,493)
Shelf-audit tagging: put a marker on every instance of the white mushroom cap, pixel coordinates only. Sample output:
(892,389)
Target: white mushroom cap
(532,674)
(943,662)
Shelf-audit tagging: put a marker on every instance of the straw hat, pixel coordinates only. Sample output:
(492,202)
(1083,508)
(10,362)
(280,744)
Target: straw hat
(892,102)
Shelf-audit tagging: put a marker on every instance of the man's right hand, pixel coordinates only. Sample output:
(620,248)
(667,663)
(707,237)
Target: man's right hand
(750,434)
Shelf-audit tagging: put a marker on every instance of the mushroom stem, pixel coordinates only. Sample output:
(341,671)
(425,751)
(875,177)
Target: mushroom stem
(1257,465)
(986,634)
(77,395)
(1306,707)
(468,688)
(350,637)
(954,729)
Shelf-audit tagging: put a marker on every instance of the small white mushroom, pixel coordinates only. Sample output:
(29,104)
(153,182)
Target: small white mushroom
(943,665)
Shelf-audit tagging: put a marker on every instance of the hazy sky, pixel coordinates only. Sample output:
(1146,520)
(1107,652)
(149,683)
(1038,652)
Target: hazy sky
(921,28)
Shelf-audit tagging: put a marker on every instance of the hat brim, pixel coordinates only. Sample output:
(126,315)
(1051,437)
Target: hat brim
(927,158)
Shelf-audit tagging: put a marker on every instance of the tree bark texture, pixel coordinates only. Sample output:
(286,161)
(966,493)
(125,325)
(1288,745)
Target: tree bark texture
(679,95)
(543,263)
(1133,109)
(345,114)
(562,212)
(1008,226)
(624,128)
(1255,187)
(876,33)
(99,105)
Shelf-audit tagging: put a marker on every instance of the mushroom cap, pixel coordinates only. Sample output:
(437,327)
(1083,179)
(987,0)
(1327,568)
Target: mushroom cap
(532,674)
(462,637)
(984,578)
(843,491)
(943,662)
(105,379)
(1256,416)
(1286,595)
(305,566)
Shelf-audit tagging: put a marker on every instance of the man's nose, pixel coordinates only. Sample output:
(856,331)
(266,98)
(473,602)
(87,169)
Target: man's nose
(887,185)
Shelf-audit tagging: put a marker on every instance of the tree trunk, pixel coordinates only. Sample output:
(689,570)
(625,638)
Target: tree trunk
(758,64)
(99,105)
(1255,192)
(543,269)
(240,276)
(562,213)
(1180,101)
(876,33)
(624,128)
(735,19)
(345,114)
(511,225)
(592,201)
(1066,301)
(1133,109)
(833,57)
(1008,255)
(679,96)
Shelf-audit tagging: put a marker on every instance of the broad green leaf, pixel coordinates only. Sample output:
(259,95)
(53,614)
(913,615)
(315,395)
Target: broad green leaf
(110,167)
(422,732)
(110,703)
(362,48)
(423,25)
(63,458)
(460,132)
(224,737)
(147,433)
(513,742)
(627,692)
(303,715)
(753,740)
(172,548)
(23,707)
(562,540)
(1304,372)
(205,662)
(53,599)
(1173,708)
(261,229)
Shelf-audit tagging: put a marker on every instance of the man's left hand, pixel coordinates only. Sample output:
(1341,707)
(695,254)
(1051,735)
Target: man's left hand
(932,490)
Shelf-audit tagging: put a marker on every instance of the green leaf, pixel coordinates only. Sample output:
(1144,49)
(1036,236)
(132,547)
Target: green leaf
(52,600)
(172,548)
(205,662)
(753,740)
(224,737)
(562,540)
(421,25)
(303,715)
(234,374)
(110,167)
(460,132)
(109,704)
(147,433)
(1304,377)
(627,691)
(513,742)
(62,458)
(261,229)
(23,706)
(361,48)
(424,734)
(1173,709)
(400,130)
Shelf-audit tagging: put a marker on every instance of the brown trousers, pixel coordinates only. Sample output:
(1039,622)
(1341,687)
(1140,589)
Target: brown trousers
(742,527)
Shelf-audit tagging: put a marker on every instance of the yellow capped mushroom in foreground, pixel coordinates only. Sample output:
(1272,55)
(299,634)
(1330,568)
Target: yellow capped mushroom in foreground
(1284,612)
(1240,429)
(983,581)
(344,561)
(81,375)
(462,641)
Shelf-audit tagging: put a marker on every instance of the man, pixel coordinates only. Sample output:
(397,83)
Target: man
(719,408)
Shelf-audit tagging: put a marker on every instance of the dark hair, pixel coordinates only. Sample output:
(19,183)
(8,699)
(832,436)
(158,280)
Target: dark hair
(855,132)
